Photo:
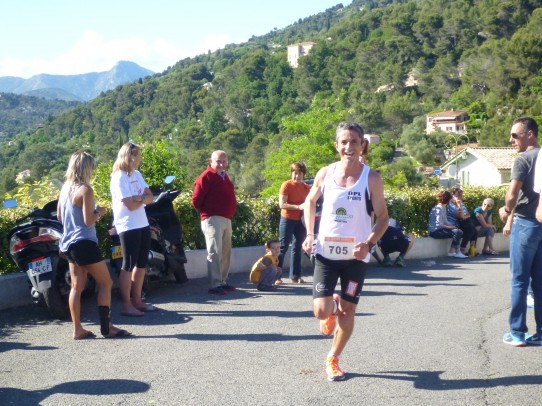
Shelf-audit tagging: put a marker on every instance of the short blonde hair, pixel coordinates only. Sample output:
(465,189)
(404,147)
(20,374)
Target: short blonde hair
(489,200)
(125,157)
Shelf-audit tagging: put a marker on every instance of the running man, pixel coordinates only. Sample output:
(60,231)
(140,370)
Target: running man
(351,192)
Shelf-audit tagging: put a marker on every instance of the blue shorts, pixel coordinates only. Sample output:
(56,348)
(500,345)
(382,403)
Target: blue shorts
(328,271)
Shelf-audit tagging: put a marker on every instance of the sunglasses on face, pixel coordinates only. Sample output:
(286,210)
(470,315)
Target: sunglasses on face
(517,135)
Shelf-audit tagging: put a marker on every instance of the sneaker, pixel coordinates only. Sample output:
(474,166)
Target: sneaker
(228,288)
(219,290)
(530,301)
(333,371)
(535,339)
(266,288)
(327,326)
(509,338)
(451,254)
(400,261)
(460,255)
(386,261)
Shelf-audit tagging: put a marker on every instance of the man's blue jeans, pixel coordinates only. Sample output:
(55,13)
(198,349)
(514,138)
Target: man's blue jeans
(289,229)
(525,264)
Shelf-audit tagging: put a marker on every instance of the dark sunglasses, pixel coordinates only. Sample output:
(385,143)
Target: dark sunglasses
(516,135)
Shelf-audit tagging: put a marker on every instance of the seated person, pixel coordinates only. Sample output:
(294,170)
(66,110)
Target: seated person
(481,218)
(459,216)
(394,240)
(439,227)
(266,270)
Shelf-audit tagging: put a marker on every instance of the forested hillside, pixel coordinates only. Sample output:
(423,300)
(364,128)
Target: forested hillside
(384,64)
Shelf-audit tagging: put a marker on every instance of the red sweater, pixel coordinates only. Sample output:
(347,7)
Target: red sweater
(214,196)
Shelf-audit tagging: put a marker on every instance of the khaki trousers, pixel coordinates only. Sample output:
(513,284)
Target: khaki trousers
(217,231)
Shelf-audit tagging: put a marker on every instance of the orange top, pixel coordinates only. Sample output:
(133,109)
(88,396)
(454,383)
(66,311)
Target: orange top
(296,192)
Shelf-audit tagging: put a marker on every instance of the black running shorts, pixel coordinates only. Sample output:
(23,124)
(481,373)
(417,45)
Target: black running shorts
(327,272)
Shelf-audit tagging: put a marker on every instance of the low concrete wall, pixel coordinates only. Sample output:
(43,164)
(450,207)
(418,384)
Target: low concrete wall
(428,247)
(15,290)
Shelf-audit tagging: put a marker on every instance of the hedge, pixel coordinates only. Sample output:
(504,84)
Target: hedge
(257,219)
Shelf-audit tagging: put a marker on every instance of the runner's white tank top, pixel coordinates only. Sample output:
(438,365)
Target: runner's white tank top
(344,212)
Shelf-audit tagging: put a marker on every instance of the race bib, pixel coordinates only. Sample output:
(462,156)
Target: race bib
(338,247)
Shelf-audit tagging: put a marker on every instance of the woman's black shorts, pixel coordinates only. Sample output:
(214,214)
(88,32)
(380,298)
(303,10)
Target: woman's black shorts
(135,245)
(83,252)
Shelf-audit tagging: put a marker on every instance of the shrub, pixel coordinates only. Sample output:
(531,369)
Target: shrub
(257,219)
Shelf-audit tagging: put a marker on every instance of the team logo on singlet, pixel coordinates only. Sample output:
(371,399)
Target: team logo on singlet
(341,215)
(354,196)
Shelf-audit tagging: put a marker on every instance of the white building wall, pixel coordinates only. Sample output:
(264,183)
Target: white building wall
(475,172)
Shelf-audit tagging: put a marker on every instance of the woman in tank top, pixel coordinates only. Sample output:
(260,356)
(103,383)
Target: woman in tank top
(79,243)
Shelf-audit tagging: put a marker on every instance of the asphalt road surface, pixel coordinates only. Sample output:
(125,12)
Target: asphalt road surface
(428,334)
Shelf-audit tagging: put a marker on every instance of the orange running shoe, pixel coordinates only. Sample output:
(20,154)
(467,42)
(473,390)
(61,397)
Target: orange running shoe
(327,326)
(334,373)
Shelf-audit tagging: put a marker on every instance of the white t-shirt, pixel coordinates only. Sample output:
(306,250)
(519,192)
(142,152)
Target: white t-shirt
(537,186)
(122,186)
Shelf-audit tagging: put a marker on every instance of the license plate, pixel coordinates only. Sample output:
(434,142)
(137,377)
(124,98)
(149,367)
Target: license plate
(116,252)
(40,266)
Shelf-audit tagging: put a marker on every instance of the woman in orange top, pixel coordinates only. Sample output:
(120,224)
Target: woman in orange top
(291,201)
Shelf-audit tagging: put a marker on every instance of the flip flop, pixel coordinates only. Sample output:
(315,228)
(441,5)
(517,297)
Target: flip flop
(85,336)
(119,334)
(132,313)
(149,308)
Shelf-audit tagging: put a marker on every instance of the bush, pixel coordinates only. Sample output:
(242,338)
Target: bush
(257,219)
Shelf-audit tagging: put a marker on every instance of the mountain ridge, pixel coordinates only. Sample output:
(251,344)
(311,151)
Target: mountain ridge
(80,87)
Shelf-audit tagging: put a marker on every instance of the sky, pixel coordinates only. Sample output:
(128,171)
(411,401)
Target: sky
(68,37)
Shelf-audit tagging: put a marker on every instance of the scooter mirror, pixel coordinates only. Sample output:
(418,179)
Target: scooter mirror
(9,204)
(169,179)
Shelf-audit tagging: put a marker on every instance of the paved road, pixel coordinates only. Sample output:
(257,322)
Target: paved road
(425,335)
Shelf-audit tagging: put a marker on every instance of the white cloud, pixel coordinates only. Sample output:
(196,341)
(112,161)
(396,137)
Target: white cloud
(93,53)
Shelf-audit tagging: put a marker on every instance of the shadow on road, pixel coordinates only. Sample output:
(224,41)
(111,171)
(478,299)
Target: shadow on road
(16,396)
(431,380)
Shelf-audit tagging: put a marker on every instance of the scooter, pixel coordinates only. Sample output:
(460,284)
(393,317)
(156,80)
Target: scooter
(166,255)
(34,247)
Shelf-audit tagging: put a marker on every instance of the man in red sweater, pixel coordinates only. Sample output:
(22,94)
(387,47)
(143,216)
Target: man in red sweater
(214,199)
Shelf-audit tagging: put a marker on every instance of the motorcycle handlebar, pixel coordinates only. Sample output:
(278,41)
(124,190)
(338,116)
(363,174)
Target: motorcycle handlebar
(36,213)
(168,194)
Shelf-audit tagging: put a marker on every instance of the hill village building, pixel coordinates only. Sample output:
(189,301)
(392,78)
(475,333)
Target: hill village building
(295,51)
(452,121)
(479,167)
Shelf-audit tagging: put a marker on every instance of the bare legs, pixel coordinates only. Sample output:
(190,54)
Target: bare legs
(323,308)
(100,273)
(79,280)
(131,285)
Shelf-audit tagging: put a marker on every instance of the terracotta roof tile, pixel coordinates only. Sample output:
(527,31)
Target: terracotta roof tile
(502,158)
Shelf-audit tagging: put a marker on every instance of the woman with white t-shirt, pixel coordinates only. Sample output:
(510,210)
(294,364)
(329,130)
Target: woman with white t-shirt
(130,193)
